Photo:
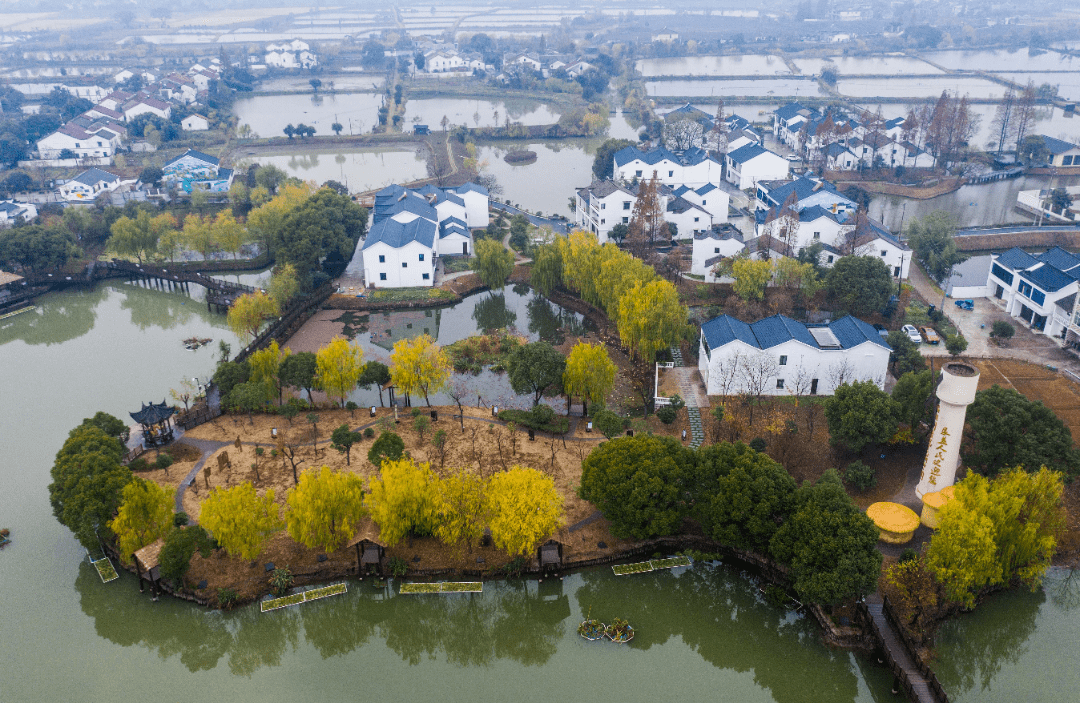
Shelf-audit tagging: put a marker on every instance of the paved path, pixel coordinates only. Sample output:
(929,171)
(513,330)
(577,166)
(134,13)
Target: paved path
(691,394)
(558,225)
(207,447)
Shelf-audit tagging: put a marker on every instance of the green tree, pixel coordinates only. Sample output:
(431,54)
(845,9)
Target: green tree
(37,248)
(375,374)
(589,374)
(248,397)
(604,161)
(109,424)
(87,483)
(338,366)
(932,239)
(636,482)
(956,344)
(523,509)
(859,414)
(240,520)
(139,237)
(859,285)
(327,224)
(230,374)
(829,543)
(151,175)
(1007,429)
(298,370)
(404,500)
(608,422)
(180,546)
(535,368)
(905,357)
(494,263)
(342,439)
(145,516)
(325,508)
(740,496)
(912,395)
(388,447)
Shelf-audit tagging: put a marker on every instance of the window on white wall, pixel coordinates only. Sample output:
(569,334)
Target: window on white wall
(382,258)
(779,384)
(783,359)
(382,276)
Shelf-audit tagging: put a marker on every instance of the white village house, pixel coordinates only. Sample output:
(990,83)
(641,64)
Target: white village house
(721,242)
(749,164)
(1039,289)
(781,356)
(195,123)
(88,185)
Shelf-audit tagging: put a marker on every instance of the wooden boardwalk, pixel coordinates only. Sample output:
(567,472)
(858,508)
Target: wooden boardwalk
(917,680)
(219,292)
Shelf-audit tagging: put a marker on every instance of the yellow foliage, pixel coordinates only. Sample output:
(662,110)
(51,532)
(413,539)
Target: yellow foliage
(229,233)
(338,367)
(461,508)
(651,318)
(240,520)
(419,365)
(589,373)
(751,277)
(403,499)
(265,364)
(248,312)
(145,516)
(325,508)
(524,509)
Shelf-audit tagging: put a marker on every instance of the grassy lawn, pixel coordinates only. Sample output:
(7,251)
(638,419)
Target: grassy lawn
(394,295)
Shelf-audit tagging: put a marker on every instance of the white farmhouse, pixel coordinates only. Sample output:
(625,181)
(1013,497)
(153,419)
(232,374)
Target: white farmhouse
(195,123)
(12,211)
(710,247)
(752,163)
(693,167)
(400,255)
(147,105)
(781,356)
(88,185)
(96,141)
(603,205)
(1039,289)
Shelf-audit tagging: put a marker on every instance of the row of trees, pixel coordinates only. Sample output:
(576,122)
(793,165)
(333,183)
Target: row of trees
(647,486)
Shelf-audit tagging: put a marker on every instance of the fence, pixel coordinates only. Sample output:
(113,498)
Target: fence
(659,400)
(933,685)
(197,416)
(292,317)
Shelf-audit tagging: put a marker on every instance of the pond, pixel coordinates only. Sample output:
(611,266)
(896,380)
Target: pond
(478,113)
(919,87)
(561,167)
(736,88)
(267,115)
(359,168)
(867,65)
(746,65)
(1003,60)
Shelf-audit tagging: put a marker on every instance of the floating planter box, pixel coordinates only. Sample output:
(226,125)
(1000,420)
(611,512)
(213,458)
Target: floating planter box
(444,587)
(302,597)
(627,569)
(670,563)
(105,570)
(652,565)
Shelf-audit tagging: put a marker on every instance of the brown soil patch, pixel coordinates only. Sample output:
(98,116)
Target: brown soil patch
(1034,382)
(483,447)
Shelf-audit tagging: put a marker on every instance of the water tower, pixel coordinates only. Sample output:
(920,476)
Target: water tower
(956,391)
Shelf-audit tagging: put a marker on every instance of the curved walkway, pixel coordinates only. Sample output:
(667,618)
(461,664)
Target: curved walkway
(207,447)
(557,225)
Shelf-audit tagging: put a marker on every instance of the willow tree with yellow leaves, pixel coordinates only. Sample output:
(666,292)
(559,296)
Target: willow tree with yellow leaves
(419,365)
(462,508)
(240,519)
(265,367)
(325,508)
(248,313)
(589,374)
(266,221)
(338,366)
(651,318)
(145,516)
(404,500)
(228,233)
(523,509)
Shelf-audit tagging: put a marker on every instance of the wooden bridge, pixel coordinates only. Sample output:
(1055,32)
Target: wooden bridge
(911,673)
(219,292)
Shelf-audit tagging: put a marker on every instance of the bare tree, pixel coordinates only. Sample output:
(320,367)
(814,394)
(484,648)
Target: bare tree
(1025,113)
(683,132)
(459,389)
(647,218)
(726,373)
(785,227)
(718,134)
(756,372)
(438,169)
(1003,125)
(841,372)
(800,385)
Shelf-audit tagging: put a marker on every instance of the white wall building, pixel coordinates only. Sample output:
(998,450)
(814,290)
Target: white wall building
(693,168)
(1040,290)
(752,163)
(195,123)
(400,255)
(780,356)
(88,185)
(12,211)
(710,247)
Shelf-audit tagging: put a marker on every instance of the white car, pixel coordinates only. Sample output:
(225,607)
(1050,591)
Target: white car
(912,333)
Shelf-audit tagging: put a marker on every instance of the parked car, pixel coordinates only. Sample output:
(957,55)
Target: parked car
(912,333)
(967,304)
(930,335)
(881,330)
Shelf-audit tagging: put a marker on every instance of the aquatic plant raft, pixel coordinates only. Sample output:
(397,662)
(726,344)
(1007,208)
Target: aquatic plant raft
(105,570)
(651,565)
(627,569)
(670,563)
(444,587)
(302,597)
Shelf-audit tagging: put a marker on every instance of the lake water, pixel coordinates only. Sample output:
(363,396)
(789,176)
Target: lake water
(868,65)
(1003,60)
(561,167)
(268,114)
(918,87)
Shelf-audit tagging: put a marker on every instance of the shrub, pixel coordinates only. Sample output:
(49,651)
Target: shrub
(956,344)
(667,415)
(180,519)
(540,418)
(860,476)
(758,444)
(163,461)
(908,554)
(608,423)
(369,433)
(387,446)
(1002,330)
(227,597)
(677,403)
(281,581)
(398,566)
(138,465)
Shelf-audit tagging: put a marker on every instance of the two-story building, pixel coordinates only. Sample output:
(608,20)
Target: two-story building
(1038,289)
(749,164)
(194,170)
(693,167)
(781,356)
(720,242)
(88,185)
(605,204)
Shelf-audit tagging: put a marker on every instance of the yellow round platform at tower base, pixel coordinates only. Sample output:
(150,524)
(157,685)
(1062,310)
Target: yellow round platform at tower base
(897,523)
(933,503)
